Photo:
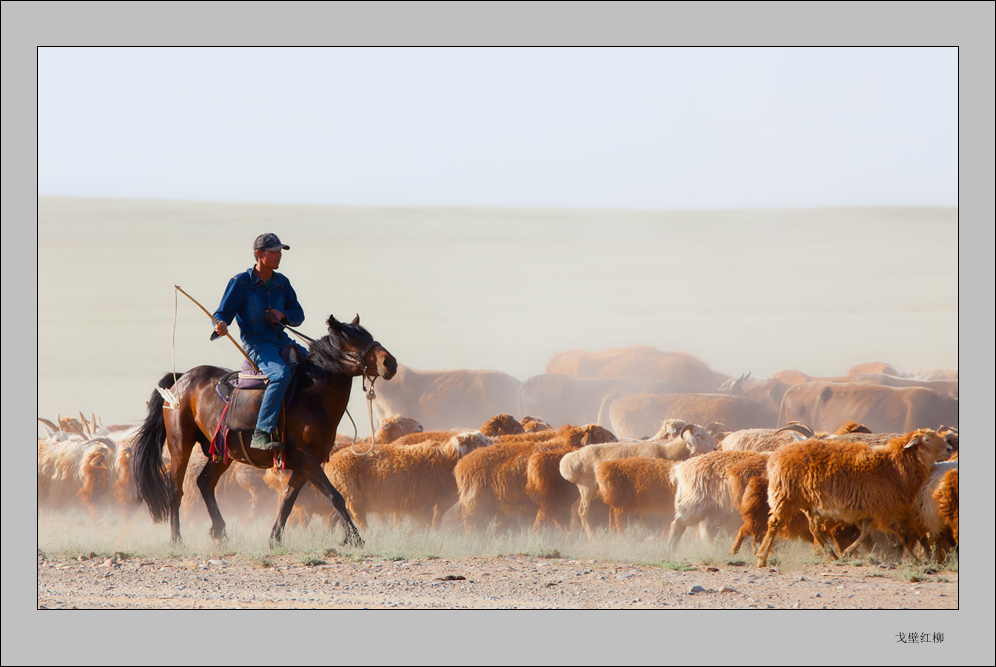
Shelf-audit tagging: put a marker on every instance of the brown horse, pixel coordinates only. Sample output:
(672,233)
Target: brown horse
(320,394)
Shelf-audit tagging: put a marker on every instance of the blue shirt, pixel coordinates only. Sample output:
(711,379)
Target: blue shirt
(246,300)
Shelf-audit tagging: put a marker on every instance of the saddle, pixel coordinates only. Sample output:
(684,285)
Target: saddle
(242,392)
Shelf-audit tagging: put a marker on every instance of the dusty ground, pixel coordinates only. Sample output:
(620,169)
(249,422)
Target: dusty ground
(505,582)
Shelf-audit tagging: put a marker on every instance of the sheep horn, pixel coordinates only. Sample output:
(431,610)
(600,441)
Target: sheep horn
(101,439)
(798,428)
(49,426)
(86,426)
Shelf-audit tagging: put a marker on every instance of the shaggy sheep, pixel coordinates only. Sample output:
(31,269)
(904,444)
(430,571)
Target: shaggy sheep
(416,480)
(946,498)
(531,424)
(579,467)
(754,510)
(71,471)
(934,530)
(503,424)
(493,482)
(708,489)
(873,487)
(636,486)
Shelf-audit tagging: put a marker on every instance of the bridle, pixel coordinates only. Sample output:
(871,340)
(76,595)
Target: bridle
(367,372)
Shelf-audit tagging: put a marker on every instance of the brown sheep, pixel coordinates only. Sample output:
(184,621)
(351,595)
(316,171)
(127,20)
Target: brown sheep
(554,495)
(636,486)
(503,424)
(416,480)
(946,498)
(493,482)
(531,424)
(935,531)
(395,430)
(579,467)
(754,510)
(873,487)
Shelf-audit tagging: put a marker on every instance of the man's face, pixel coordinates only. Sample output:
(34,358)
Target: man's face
(271,258)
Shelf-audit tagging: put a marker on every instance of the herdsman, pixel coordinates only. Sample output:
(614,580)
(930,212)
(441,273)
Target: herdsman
(261,300)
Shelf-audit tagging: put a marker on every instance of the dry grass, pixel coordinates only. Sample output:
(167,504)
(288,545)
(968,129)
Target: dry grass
(71,535)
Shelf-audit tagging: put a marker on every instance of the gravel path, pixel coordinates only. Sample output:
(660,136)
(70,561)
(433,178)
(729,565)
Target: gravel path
(506,582)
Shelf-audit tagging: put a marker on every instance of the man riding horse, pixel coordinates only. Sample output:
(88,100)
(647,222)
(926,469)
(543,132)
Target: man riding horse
(261,300)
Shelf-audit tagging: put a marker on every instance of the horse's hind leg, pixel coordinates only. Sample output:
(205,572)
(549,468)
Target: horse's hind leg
(207,481)
(181,432)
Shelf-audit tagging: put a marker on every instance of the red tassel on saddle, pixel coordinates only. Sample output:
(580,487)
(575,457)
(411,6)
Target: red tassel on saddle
(219,432)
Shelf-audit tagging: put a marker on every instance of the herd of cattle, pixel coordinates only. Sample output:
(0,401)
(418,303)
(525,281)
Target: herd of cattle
(602,439)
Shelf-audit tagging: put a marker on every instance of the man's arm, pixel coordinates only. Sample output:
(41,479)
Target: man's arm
(231,301)
(293,312)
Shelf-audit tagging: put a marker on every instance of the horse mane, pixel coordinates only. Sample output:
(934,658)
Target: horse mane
(325,358)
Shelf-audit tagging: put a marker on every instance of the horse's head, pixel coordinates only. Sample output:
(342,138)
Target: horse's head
(360,350)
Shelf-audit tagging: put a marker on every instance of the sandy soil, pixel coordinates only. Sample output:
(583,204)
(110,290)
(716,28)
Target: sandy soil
(506,582)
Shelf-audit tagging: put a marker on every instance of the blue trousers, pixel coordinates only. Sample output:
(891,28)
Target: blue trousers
(267,357)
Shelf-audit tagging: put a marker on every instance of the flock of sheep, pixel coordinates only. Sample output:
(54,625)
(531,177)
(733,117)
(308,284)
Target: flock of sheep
(832,487)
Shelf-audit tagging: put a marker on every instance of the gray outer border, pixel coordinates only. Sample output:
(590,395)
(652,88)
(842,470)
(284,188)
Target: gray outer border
(489,637)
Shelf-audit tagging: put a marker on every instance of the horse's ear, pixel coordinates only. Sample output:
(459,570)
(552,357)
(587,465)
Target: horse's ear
(356,320)
(333,324)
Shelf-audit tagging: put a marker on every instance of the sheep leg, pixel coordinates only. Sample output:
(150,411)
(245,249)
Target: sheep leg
(775,521)
(677,529)
(820,538)
(865,532)
(742,535)
(206,482)
(584,509)
(617,517)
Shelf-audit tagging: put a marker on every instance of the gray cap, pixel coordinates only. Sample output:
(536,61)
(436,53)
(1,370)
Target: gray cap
(268,241)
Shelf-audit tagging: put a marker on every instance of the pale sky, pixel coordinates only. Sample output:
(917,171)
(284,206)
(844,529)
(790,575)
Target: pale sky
(651,128)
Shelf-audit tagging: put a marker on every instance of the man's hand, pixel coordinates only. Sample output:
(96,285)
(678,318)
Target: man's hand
(275,315)
(221,328)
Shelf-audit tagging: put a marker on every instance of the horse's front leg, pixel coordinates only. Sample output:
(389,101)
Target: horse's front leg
(294,485)
(316,475)
(206,482)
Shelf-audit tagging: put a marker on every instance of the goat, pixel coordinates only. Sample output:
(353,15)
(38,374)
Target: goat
(579,467)
(871,486)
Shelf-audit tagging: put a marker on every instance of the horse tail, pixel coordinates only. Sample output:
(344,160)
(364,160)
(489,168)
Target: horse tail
(154,486)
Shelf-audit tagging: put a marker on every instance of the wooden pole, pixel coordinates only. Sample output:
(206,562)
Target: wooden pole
(234,342)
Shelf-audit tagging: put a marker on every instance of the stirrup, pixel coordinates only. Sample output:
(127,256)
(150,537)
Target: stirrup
(265,443)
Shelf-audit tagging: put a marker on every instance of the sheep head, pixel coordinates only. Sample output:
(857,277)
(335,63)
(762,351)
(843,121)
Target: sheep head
(698,439)
(530,424)
(463,443)
(503,424)
(927,444)
(589,434)
(395,426)
(670,429)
